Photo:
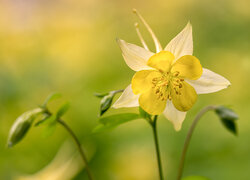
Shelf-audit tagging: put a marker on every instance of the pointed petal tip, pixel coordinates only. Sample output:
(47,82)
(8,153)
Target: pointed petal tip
(118,40)
(188,26)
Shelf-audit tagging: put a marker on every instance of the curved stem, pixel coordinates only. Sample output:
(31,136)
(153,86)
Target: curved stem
(157,148)
(188,138)
(84,158)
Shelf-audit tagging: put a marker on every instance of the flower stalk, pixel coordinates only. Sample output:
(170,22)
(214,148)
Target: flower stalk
(153,124)
(77,142)
(188,138)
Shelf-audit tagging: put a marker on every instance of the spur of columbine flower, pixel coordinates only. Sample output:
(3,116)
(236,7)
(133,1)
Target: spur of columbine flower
(169,80)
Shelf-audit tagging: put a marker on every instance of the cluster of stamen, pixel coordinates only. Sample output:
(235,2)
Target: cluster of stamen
(167,82)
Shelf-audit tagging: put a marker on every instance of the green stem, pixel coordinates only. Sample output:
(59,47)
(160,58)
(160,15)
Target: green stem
(78,144)
(154,127)
(188,138)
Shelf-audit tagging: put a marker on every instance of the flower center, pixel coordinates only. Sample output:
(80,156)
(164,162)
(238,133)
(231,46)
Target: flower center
(166,84)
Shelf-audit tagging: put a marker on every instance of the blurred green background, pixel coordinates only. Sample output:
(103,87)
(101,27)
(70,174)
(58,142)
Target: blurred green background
(69,46)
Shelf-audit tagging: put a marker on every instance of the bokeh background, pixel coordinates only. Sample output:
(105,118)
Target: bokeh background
(69,46)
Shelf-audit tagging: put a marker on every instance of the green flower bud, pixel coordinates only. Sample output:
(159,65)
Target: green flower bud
(106,103)
(228,118)
(22,125)
(106,100)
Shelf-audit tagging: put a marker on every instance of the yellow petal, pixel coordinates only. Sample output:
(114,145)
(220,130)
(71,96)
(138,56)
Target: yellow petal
(185,98)
(142,80)
(151,103)
(188,66)
(161,61)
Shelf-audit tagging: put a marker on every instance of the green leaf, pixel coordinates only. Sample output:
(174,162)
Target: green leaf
(228,118)
(117,119)
(43,119)
(103,128)
(195,178)
(50,98)
(21,126)
(110,122)
(47,119)
(63,109)
(49,130)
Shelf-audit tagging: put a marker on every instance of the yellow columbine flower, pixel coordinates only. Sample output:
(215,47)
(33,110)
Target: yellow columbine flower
(169,80)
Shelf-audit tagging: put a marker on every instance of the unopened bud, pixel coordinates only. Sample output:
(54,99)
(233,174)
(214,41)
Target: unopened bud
(228,118)
(106,103)
(22,125)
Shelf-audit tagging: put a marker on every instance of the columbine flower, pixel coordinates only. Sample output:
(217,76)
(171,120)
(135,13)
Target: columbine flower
(169,80)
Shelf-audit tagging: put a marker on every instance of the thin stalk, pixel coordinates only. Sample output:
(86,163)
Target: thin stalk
(157,148)
(78,144)
(188,138)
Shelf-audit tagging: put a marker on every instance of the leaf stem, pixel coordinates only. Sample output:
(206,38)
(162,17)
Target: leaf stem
(188,138)
(157,148)
(78,144)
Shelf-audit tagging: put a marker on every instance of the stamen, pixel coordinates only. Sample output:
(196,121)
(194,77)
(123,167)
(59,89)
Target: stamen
(176,73)
(140,37)
(156,41)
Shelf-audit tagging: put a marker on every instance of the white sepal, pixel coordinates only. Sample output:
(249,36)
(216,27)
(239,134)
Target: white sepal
(135,57)
(182,44)
(174,116)
(209,82)
(127,99)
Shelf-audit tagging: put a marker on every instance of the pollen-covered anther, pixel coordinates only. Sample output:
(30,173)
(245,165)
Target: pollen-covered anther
(176,73)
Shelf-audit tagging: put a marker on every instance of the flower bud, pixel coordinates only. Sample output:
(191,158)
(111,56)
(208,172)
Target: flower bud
(228,118)
(106,103)
(22,125)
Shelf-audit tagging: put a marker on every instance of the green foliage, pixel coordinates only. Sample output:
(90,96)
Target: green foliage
(50,98)
(23,123)
(21,126)
(49,129)
(195,178)
(63,109)
(228,118)
(110,122)
(43,119)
